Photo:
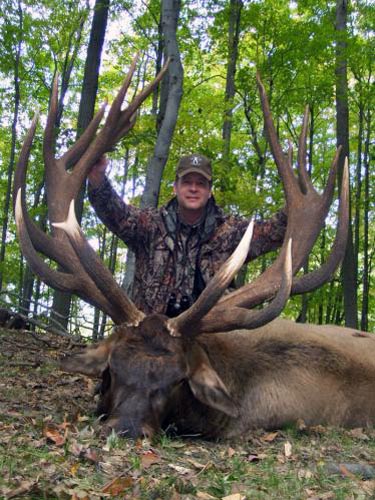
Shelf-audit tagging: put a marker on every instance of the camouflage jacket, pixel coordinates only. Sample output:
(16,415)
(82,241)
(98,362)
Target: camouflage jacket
(168,251)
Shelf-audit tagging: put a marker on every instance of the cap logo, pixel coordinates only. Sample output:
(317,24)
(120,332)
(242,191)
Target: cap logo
(196,160)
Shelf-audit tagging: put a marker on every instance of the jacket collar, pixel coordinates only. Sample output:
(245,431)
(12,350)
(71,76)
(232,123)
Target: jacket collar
(211,220)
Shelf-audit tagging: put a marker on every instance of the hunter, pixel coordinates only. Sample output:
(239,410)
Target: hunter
(179,246)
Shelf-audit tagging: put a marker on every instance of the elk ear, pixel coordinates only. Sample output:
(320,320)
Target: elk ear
(91,361)
(206,384)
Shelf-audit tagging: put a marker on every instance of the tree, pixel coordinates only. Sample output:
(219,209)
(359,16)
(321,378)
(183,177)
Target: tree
(15,55)
(171,94)
(61,300)
(349,271)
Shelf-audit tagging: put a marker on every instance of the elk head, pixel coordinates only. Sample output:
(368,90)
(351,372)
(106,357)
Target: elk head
(148,358)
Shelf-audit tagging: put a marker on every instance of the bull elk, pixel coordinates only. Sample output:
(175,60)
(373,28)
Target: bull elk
(204,371)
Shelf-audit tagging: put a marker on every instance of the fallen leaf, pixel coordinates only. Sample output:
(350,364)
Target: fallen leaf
(358,434)
(22,488)
(271,436)
(149,458)
(204,496)
(181,470)
(80,495)
(74,468)
(52,433)
(288,449)
(197,465)
(118,485)
(235,496)
(368,487)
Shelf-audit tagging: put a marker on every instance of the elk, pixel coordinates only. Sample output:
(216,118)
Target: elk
(221,367)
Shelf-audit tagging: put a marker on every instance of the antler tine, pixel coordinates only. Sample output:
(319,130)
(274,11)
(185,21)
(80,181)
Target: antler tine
(303,176)
(116,126)
(185,322)
(285,172)
(76,151)
(115,110)
(313,280)
(330,186)
(94,267)
(20,174)
(138,100)
(240,317)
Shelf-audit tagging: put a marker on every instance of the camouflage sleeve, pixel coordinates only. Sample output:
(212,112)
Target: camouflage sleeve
(122,219)
(268,235)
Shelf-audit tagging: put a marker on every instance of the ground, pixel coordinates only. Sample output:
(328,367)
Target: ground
(51,446)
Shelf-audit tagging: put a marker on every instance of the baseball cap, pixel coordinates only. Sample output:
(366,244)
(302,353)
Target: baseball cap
(194,163)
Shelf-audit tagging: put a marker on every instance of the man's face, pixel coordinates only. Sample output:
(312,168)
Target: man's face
(192,191)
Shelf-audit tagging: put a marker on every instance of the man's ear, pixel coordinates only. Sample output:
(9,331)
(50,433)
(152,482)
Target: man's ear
(206,384)
(91,361)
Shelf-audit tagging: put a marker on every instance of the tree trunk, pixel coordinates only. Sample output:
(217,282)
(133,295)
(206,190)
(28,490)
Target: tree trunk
(16,81)
(62,300)
(156,164)
(170,98)
(230,88)
(366,257)
(349,272)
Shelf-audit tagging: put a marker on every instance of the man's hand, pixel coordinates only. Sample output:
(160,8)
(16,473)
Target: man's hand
(97,174)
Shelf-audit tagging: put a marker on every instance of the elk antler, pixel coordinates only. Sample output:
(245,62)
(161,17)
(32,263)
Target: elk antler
(306,213)
(62,186)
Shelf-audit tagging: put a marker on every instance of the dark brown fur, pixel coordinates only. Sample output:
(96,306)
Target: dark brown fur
(222,385)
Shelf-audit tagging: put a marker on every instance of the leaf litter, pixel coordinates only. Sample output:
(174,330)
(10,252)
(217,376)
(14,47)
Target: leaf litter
(51,446)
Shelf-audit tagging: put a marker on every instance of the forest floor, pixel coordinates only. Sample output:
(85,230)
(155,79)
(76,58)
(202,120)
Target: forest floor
(51,446)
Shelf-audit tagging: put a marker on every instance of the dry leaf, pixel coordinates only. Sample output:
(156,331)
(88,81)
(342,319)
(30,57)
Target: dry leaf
(149,458)
(255,457)
(80,495)
(181,470)
(22,488)
(52,433)
(288,449)
(74,468)
(235,496)
(202,495)
(118,485)
(368,487)
(271,436)
(197,465)
(358,434)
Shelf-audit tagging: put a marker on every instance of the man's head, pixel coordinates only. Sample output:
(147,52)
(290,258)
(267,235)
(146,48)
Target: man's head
(192,186)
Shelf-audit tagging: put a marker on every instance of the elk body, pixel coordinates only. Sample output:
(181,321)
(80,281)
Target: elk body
(158,371)
(224,384)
